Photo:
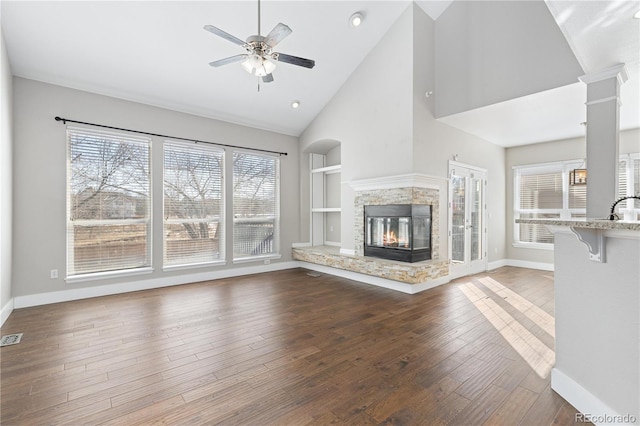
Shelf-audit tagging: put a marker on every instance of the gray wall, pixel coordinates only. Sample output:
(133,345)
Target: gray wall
(387,127)
(435,143)
(371,118)
(492,51)
(547,152)
(6,174)
(40,175)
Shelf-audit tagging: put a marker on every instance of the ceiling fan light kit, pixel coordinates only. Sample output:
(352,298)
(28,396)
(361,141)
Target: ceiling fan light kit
(260,59)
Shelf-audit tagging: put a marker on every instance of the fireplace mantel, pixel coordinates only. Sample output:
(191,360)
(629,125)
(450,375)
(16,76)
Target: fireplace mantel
(412,180)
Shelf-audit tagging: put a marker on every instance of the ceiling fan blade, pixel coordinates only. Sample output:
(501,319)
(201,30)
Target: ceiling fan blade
(294,60)
(267,78)
(217,31)
(277,34)
(229,60)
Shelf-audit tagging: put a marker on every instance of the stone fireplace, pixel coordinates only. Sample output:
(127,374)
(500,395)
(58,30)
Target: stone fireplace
(421,191)
(425,198)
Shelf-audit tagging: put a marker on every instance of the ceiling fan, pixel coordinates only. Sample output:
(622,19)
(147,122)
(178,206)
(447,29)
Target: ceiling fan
(260,59)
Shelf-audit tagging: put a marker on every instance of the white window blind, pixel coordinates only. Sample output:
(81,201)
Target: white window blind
(108,202)
(256,205)
(629,183)
(193,204)
(543,192)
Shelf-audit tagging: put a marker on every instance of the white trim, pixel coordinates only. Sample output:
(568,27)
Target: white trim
(534,246)
(599,101)
(332,243)
(256,258)
(7,309)
(105,290)
(517,263)
(583,400)
(530,265)
(348,252)
(326,210)
(108,274)
(377,281)
(497,264)
(617,71)
(413,180)
(328,169)
(194,265)
(466,166)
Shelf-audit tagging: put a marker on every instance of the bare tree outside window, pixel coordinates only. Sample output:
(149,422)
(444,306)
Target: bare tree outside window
(109,202)
(193,204)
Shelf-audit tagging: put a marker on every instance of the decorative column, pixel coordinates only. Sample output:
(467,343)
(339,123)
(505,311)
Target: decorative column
(603,131)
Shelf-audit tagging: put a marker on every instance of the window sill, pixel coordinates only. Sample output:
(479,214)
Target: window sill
(96,276)
(194,265)
(536,246)
(256,258)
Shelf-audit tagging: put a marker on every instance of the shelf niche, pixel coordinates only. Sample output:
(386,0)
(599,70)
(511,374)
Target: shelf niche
(325,197)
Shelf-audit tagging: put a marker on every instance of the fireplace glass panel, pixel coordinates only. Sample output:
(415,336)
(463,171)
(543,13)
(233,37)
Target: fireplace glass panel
(421,232)
(389,232)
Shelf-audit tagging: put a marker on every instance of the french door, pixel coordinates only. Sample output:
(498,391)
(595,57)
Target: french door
(467,219)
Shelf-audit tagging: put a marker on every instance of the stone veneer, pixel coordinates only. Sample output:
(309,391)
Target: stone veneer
(380,197)
(409,273)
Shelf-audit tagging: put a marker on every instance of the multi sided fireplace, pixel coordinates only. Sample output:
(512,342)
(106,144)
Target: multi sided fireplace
(398,232)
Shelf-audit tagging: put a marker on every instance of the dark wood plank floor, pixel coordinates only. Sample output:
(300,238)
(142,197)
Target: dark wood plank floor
(284,348)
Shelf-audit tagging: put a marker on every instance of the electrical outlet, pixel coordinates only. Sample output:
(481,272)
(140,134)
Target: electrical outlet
(54,274)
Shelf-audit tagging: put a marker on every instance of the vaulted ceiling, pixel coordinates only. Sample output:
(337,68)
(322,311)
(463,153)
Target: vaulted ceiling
(158,53)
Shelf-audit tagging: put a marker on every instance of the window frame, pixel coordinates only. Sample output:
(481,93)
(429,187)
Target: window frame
(275,254)
(222,214)
(71,275)
(563,167)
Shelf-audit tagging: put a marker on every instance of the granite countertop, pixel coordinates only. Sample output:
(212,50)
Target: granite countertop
(585,223)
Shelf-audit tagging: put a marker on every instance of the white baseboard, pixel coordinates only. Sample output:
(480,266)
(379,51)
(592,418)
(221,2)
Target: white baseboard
(584,401)
(520,264)
(105,290)
(377,281)
(497,264)
(531,265)
(6,311)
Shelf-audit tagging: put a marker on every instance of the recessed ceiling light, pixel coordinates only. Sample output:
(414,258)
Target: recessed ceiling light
(637,15)
(295,104)
(356,19)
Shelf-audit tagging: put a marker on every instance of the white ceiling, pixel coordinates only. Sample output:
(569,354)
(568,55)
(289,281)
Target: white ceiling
(157,53)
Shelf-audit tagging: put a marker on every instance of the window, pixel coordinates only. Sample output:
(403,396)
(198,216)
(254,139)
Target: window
(256,205)
(193,204)
(629,184)
(108,202)
(543,191)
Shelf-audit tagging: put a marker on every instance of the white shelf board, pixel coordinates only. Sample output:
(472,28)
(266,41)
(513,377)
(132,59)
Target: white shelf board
(326,210)
(328,169)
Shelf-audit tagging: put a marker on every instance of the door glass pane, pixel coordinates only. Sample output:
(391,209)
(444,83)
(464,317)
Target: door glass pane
(476,219)
(457,218)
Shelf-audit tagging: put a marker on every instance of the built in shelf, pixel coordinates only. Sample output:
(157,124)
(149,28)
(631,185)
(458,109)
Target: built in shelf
(326,210)
(328,170)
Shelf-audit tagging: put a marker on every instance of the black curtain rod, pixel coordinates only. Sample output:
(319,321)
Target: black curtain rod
(65,120)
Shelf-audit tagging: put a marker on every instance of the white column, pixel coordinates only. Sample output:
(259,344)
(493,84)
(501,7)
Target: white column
(603,130)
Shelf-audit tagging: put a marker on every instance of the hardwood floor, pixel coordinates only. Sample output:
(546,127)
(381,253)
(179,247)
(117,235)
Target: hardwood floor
(287,348)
